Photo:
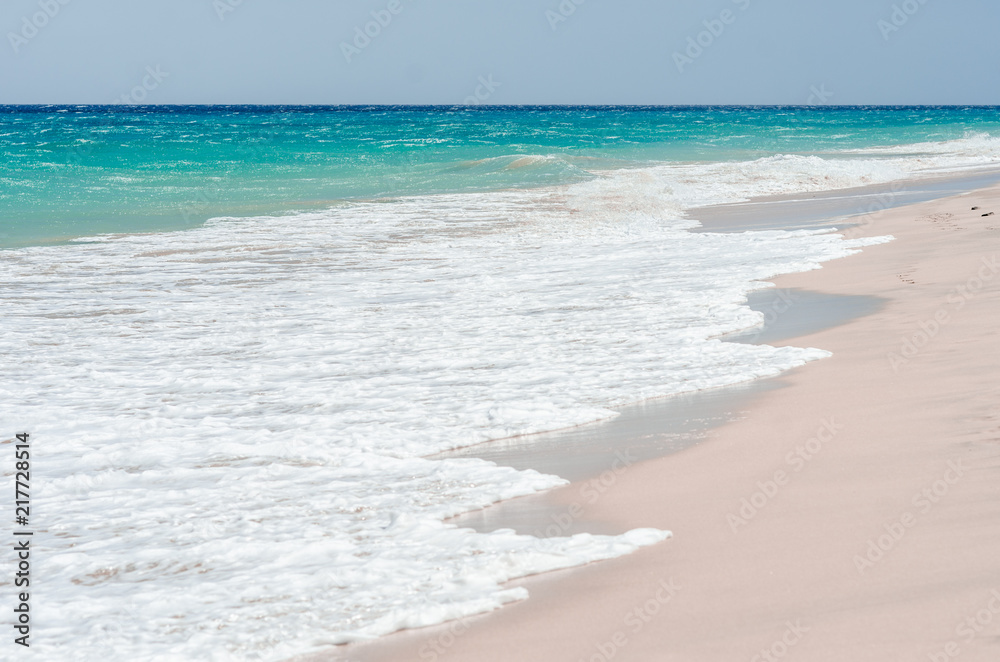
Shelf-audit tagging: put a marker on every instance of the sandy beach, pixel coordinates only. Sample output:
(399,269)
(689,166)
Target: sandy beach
(854,515)
(553,331)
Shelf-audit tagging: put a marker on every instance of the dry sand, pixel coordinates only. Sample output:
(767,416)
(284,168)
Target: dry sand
(879,543)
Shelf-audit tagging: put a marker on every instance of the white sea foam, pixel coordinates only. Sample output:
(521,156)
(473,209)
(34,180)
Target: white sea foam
(974,150)
(230,423)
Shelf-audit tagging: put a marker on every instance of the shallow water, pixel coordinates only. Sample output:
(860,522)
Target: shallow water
(238,388)
(649,429)
(835,208)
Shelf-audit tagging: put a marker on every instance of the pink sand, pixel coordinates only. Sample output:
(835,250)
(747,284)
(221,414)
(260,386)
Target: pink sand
(802,576)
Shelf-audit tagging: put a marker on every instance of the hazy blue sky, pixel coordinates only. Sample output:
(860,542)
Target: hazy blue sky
(527,51)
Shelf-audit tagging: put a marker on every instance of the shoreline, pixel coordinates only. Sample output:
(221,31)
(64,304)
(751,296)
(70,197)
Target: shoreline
(838,207)
(645,430)
(802,558)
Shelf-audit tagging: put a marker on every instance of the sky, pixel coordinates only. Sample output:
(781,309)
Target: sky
(500,51)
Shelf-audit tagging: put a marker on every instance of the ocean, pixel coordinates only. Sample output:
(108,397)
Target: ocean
(236,335)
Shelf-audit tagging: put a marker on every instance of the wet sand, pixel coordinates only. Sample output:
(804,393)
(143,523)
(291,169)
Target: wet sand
(839,208)
(646,430)
(853,515)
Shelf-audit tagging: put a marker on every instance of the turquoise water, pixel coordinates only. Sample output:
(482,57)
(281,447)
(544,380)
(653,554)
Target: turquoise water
(82,170)
(245,417)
